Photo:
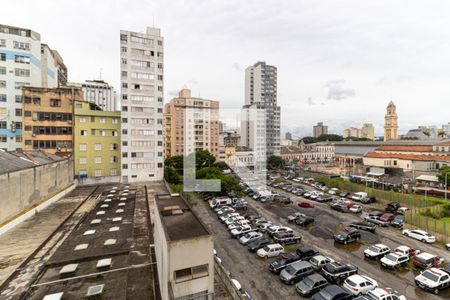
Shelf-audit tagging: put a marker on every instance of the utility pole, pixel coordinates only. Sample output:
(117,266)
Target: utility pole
(445,186)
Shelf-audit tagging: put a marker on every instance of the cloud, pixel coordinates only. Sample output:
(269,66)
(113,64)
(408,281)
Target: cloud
(173,93)
(237,67)
(337,90)
(311,102)
(192,82)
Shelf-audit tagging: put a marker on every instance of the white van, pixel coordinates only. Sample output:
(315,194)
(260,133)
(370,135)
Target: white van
(359,196)
(219,201)
(271,250)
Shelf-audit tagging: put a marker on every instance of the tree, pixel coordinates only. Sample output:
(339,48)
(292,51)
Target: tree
(274,162)
(171,175)
(221,165)
(445,169)
(330,138)
(175,162)
(308,140)
(204,159)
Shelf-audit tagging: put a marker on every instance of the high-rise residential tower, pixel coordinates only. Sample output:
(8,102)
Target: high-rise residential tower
(261,94)
(319,129)
(391,123)
(24,61)
(200,132)
(141,57)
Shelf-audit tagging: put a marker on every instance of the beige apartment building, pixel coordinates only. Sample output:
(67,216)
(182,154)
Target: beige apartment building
(191,124)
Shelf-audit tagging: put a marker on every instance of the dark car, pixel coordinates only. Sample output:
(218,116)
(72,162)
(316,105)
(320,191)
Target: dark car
(311,285)
(282,261)
(258,244)
(398,221)
(392,207)
(368,199)
(344,195)
(347,235)
(324,198)
(304,220)
(363,226)
(296,271)
(333,292)
(337,272)
(375,214)
(339,207)
(305,253)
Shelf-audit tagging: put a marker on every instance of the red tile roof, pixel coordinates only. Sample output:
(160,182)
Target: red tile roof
(409,156)
(444,143)
(405,148)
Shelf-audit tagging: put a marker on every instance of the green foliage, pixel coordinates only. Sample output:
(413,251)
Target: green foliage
(445,169)
(221,165)
(274,162)
(356,139)
(204,159)
(330,138)
(280,180)
(171,175)
(308,140)
(176,162)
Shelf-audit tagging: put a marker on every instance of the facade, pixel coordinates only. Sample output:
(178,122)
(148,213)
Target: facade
(288,136)
(320,129)
(100,93)
(352,132)
(96,143)
(24,61)
(261,95)
(368,131)
(142,83)
(446,129)
(391,123)
(200,132)
(184,251)
(322,152)
(48,118)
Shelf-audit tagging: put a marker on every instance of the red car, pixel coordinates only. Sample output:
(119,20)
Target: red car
(387,218)
(305,205)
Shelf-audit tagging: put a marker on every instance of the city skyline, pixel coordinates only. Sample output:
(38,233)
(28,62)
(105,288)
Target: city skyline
(357,70)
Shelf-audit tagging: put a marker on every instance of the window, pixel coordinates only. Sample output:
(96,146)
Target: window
(124,85)
(2,43)
(98,173)
(123,38)
(20,59)
(82,119)
(124,73)
(92,131)
(115,120)
(21,45)
(83,160)
(2,84)
(18,98)
(2,98)
(2,124)
(125,154)
(191,273)
(102,120)
(22,72)
(125,166)
(98,147)
(160,43)
(2,56)
(113,159)
(92,119)
(18,112)
(123,49)
(55,102)
(102,133)
(124,131)
(98,159)
(83,132)
(146,76)
(83,147)
(78,106)
(36,101)
(19,85)
(3,139)
(113,146)
(124,61)
(2,70)
(113,172)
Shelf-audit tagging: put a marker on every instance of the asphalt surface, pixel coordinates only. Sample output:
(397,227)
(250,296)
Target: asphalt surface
(252,272)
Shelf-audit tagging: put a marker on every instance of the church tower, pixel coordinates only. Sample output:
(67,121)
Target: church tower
(391,123)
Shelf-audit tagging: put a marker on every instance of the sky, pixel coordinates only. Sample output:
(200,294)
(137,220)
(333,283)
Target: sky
(339,62)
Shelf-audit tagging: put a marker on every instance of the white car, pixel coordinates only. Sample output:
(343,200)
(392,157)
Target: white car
(271,250)
(376,251)
(240,231)
(356,208)
(405,250)
(278,229)
(447,246)
(238,224)
(420,235)
(394,260)
(359,284)
(333,191)
(433,280)
(318,261)
(384,294)
(245,239)
(232,220)
(264,226)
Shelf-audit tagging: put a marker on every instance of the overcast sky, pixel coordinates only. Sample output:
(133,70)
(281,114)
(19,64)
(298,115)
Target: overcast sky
(340,62)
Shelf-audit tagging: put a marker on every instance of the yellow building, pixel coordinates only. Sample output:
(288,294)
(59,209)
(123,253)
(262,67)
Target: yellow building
(47,118)
(96,142)
(391,123)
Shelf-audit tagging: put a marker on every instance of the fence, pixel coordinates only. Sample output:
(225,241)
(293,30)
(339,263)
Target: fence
(439,228)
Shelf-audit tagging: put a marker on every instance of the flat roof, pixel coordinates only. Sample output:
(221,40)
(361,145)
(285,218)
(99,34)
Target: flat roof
(179,226)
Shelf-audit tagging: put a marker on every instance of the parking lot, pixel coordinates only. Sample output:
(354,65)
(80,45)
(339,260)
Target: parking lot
(252,272)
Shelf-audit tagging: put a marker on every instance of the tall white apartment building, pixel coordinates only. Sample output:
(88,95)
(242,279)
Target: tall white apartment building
(24,61)
(100,93)
(261,94)
(141,56)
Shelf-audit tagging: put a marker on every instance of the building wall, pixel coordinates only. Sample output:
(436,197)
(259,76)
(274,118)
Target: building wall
(162,258)
(100,93)
(25,188)
(48,109)
(97,151)
(142,84)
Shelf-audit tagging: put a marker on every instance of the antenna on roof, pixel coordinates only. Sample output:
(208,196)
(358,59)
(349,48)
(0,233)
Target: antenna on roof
(100,74)
(153,20)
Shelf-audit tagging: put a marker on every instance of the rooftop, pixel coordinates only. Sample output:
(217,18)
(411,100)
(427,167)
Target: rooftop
(179,221)
(16,161)
(406,148)
(417,157)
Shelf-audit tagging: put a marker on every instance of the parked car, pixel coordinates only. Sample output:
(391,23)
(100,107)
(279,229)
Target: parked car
(304,221)
(240,231)
(347,235)
(382,294)
(426,260)
(406,251)
(296,272)
(359,284)
(264,226)
(398,221)
(332,292)
(258,244)
(402,210)
(337,272)
(359,196)
(344,194)
(363,226)
(250,237)
(433,280)
(368,200)
(305,204)
(291,218)
(318,261)
(394,260)
(420,235)
(282,261)
(305,253)
(310,285)
(387,218)
(278,229)
(392,207)
(376,251)
(356,208)
(324,198)
(271,250)
(333,191)
(339,207)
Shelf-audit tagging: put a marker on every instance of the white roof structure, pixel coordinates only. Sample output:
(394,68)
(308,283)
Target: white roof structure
(110,242)
(89,232)
(117,219)
(103,263)
(56,296)
(123,199)
(96,221)
(70,268)
(100,212)
(80,247)
(104,206)
(121,204)
(107,200)
(119,211)
(114,228)
(430,178)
